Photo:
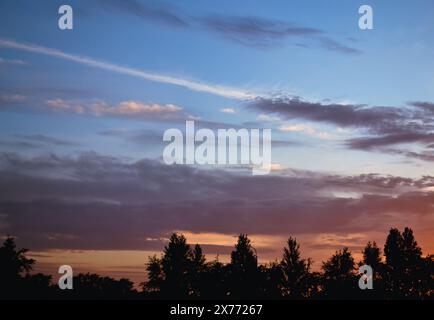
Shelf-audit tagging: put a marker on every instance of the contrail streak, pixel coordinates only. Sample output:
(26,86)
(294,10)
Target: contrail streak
(222,91)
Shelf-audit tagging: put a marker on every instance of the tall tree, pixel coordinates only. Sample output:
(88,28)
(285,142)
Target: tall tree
(244,269)
(393,250)
(176,264)
(198,268)
(295,282)
(404,264)
(372,256)
(413,264)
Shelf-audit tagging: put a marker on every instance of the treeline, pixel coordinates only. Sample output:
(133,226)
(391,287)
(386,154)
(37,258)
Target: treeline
(182,272)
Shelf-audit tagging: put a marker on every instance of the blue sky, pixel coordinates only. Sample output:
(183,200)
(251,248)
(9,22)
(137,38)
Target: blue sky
(81,122)
(394,64)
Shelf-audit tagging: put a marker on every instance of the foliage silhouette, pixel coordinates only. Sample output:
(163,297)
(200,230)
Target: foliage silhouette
(183,272)
(296,280)
(244,273)
(13,265)
(339,279)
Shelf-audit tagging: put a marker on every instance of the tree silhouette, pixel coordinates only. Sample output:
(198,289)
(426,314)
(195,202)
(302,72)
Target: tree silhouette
(372,257)
(171,274)
(413,265)
(393,249)
(14,264)
(405,266)
(339,280)
(182,272)
(244,270)
(296,274)
(94,286)
(271,276)
(197,270)
(38,285)
(155,276)
(394,266)
(214,281)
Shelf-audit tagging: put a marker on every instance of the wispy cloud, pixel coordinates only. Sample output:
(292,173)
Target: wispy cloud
(246,30)
(305,128)
(24,141)
(377,127)
(333,45)
(11,61)
(157,11)
(11,98)
(126,109)
(255,31)
(47,140)
(228,110)
(223,91)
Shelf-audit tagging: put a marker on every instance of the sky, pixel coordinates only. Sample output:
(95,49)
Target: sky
(83,112)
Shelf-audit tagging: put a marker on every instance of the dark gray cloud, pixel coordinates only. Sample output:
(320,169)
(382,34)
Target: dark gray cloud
(378,118)
(97,202)
(144,137)
(428,106)
(35,141)
(42,139)
(367,143)
(149,10)
(255,31)
(422,155)
(249,31)
(333,45)
(380,126)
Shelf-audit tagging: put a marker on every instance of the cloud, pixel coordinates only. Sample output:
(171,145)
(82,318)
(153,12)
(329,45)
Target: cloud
(376,127)
(11,61)
(309,130)
(263,33)
(227,110)
(255,31)
(424,105)
(11,99)
(149,10)
(92,201)
(218,90)
(126,109)
(337,114)
(133,108)
(59,104)
(36,141)
(267,118)
(369,143)
(251,31)
(424,155)
(143,138)
(43,139)
(284,143)
(333,45)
